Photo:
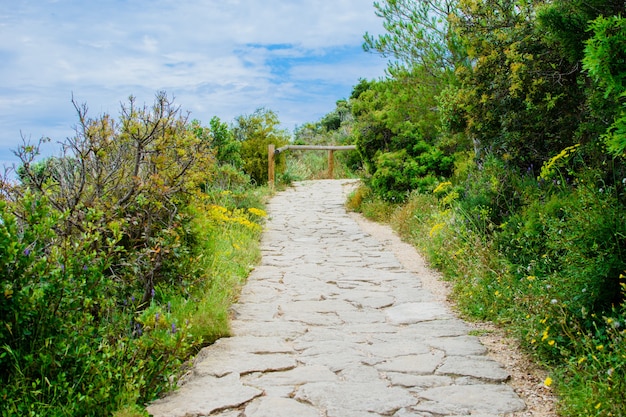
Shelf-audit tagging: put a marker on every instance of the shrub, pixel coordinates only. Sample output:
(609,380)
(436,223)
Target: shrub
(255,132)
(107,254)
(399,173)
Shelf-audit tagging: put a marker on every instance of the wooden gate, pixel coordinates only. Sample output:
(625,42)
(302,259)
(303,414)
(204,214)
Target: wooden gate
(272,152)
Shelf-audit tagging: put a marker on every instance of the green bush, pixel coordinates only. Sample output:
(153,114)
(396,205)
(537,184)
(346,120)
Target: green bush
(256,132)
(398,173)
(109,280)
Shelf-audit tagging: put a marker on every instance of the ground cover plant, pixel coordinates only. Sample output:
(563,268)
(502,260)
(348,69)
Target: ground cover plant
(120,258)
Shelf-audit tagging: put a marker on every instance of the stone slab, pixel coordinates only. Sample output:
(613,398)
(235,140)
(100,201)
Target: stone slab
(424,364)
(202,396)
(409,313)
(279,407)
(372,397)
(244,363)
(477,367)
(485,398)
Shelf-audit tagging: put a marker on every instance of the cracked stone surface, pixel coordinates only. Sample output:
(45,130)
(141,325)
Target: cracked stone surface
(331,324)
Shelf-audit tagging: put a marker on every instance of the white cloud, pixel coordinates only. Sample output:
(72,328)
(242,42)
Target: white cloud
(222,58)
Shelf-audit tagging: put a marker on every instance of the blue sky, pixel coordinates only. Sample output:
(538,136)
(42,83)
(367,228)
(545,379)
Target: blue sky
(216,58)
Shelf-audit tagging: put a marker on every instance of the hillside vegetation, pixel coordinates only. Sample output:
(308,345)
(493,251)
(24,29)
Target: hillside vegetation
(121,256)
(497,145)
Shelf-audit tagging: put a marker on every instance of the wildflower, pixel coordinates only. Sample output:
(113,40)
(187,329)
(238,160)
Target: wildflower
(442,187)
(598,406)
(551,342)
(547,168)
(554,301)
(26,252)
(156,318)
(547,382)
(581,360)
(436,228)
(152,293)
(600,347)
(257,212)
(531,277)
(173,328)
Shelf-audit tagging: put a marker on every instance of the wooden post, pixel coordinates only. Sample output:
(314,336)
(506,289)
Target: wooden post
(331,163)
(270,166)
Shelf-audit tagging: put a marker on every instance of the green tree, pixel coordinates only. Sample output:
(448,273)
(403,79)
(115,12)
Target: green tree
(521,100)
(228,149)
(417,34)
(137,172)
(397,133)
(255,132)
(605,60)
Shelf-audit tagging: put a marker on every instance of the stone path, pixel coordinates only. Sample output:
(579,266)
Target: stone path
(331,325)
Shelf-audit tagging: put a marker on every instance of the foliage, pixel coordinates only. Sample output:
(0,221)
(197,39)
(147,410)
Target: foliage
(398,173)
(115,265)
(606,62)
(418,34)
(530,225)
(255,132)
(397,135)
(228,150)
(135,175)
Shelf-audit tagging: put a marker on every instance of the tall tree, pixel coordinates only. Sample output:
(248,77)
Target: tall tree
(418,34)
(255,132)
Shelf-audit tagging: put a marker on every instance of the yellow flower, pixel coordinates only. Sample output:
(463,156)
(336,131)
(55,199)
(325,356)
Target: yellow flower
(257,212)
(442,187)
(436,228)
(551,342)
(581,360)
(598,406)
(600,347)
(546,169)
(547,382)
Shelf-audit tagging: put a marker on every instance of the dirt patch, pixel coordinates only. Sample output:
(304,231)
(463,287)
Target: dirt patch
(526,376)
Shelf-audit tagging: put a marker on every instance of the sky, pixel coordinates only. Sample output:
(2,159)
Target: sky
(221,58)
